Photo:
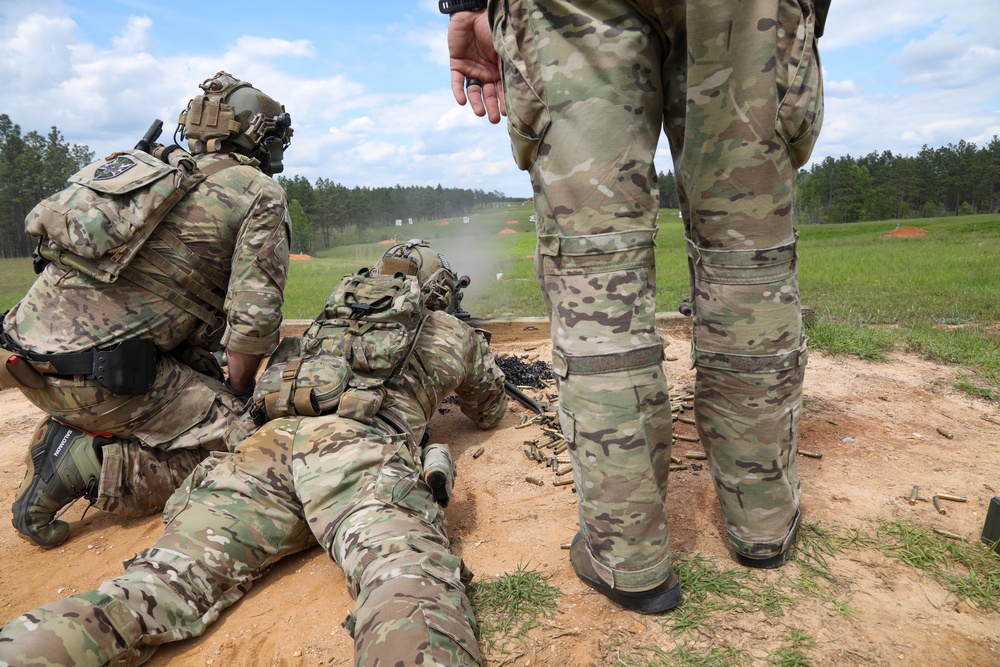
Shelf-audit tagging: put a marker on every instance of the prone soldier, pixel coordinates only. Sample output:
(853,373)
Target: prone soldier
(349,480)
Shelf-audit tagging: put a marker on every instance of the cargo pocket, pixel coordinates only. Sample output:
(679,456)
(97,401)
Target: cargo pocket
(399,485)
(523,89)
(799,79)
(452,642)
(180,498)
(188,409)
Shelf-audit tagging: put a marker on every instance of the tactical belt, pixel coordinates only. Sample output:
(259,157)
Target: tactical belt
(127,368)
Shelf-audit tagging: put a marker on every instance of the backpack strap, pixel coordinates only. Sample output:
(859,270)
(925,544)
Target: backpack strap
(196,298)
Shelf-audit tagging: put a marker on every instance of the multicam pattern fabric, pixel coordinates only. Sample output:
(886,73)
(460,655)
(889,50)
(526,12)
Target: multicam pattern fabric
(354,489)
(235,227)
(105,204)
(736,88)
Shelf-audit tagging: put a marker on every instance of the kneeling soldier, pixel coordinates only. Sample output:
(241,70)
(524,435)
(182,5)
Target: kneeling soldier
(115,339)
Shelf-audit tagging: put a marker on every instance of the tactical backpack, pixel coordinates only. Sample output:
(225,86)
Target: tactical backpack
(350,354)
(99,222)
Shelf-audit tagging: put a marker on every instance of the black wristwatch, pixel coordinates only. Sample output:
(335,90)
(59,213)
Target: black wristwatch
(454,6)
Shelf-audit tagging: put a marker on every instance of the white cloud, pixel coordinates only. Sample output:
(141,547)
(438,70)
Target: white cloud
(839,88)
(135,38)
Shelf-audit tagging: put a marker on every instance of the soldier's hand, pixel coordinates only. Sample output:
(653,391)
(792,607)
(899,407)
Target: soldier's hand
(475,65)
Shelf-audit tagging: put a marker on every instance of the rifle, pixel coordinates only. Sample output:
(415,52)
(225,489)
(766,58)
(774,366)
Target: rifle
(152,134)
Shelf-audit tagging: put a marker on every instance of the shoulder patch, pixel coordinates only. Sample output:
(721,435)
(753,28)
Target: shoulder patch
(114,167)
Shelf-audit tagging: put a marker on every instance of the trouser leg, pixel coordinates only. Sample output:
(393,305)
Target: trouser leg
(369,508)
(584,102)
(233,519)
(137,480)
(751,112)
(87,629)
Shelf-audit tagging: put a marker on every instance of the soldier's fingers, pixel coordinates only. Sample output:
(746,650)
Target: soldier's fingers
(474,89)
(458,86)
(491,100)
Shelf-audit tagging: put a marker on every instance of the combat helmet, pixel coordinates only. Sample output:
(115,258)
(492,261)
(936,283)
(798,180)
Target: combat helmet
(234,111)
(416,258)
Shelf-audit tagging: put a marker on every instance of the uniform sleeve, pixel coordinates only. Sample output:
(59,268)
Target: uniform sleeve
(259,272)
(481,396)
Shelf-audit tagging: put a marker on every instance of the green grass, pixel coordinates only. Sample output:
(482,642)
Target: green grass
(695,633)
(18,275)
(508,606)
(970,571)
(872,294)
(793,652)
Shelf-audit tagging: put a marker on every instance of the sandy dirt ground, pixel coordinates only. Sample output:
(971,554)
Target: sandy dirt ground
(875,424)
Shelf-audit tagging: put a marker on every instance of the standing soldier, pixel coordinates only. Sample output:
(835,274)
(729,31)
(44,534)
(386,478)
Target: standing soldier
(586,88)
(348,480)
(124,366)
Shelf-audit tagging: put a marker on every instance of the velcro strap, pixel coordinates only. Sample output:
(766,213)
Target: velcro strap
(302,400)
(597,364)
(744,267)
(599,244)
(739,363)
(288,376)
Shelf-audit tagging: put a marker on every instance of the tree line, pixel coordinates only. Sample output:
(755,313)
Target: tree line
(32,167)
(327,214)
(956,179)
(324,214)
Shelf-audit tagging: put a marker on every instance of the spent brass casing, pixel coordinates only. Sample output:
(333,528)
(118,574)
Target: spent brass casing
(534,480)
(562,471)
(686,438)
(565,545)
(947,533)
(560,448)
(913,495)
(675,460)
(701,456)
(687,420)
(674,467)
(478,452)
(938,506)
(954,499)
(812,455)
(562,482)
(945,433)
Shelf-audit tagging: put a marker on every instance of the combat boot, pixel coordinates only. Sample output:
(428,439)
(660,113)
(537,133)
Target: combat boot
(63,465)
(662,598)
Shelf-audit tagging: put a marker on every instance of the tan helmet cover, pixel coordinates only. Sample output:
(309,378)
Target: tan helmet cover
(416,258)
(227,110)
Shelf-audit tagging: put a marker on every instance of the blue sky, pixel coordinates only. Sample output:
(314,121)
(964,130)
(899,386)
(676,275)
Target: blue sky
(368,89)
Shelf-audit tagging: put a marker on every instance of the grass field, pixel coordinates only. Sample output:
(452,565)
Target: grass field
(936,294)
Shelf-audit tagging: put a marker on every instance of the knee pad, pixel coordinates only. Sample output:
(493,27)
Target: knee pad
(747,314)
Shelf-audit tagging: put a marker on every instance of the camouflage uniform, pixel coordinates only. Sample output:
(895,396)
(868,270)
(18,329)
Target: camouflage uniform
(234,232)
(737,89)
(353,488)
